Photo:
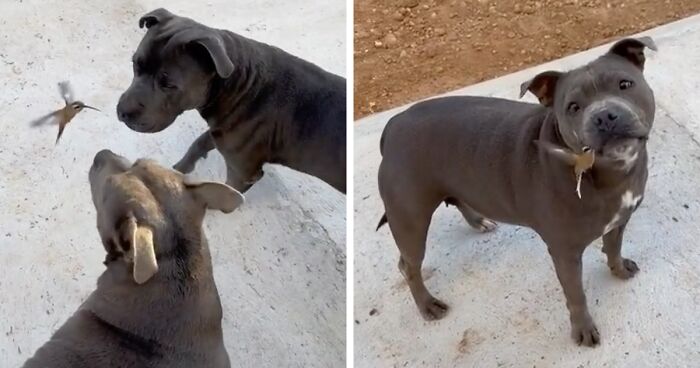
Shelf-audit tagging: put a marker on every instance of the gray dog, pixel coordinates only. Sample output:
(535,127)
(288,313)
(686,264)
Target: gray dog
(262,104)
(479,154)
(156,304)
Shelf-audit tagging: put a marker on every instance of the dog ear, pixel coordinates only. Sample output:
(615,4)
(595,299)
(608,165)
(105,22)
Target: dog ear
(212,44)
(141,250)
(216,196)
(632,49)
(217,51)
(159,15)
(542,86)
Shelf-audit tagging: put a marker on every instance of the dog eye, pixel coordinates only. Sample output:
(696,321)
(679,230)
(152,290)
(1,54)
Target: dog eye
(573,108)
(164,82)
(625,84)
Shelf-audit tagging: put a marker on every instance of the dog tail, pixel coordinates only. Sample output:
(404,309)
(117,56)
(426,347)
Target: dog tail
(382,221)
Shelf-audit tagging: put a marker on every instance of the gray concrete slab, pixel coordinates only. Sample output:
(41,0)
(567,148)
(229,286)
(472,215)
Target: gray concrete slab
(279,261)
(507,308)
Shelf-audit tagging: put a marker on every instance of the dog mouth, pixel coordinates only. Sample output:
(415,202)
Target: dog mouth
(621,148)
(143,128)
(140,123)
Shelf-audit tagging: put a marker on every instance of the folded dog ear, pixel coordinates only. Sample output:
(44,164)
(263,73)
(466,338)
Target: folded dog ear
(142,250)
(216,196)
(159,15)
(217,52)
(632,49)
(212,44)
(542,86)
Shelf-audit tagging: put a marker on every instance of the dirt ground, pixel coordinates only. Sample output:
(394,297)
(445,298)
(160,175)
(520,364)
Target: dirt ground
(411,49)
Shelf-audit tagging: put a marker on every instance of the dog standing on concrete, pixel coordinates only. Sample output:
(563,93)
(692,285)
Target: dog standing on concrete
(478,154)
(156,304)
(262,104)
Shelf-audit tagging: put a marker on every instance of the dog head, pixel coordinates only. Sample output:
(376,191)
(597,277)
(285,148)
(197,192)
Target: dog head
(140,205)
(606,105)
(173,66)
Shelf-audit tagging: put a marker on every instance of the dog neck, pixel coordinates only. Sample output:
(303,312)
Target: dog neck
(182,291)
(238,100)
(608,173)
(232,97)
(271,110)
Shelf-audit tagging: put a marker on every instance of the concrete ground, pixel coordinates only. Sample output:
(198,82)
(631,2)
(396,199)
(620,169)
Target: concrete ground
(279,261)
(507,308)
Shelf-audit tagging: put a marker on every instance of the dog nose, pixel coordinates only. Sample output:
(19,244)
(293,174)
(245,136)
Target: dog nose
(128,115)
(605,120)
(129,111)
(101,157)
(123,116)
(107,157)
(103,153)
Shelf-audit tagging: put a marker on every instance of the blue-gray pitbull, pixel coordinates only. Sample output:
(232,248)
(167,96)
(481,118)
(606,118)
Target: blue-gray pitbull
(262,104)
(479,154)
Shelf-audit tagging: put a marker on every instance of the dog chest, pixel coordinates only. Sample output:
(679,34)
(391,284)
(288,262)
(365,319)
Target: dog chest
(629,201)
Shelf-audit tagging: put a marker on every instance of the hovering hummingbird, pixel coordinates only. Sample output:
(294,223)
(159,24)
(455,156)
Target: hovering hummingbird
(63,116)
(580,161)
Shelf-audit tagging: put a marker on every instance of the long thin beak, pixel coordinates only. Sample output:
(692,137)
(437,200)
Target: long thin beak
(90,107)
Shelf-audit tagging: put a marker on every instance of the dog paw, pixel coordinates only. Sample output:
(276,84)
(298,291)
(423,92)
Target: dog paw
(486,225)
(585,334)
(627,269)
(184,167)
(433,309)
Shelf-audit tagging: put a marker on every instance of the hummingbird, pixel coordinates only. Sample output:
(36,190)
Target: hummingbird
(581,162)
(64,115)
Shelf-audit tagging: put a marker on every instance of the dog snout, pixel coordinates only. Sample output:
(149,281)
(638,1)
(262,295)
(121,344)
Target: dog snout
(101,156)
(106,157)
(606,120)
(128,109)
(614,119)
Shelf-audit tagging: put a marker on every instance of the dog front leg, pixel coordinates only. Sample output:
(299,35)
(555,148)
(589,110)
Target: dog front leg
(612,246)
(567,263)
(199,149)
(242,176)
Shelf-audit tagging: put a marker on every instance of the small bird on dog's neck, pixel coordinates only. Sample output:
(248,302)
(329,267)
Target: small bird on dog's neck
(64,115)
(581,162)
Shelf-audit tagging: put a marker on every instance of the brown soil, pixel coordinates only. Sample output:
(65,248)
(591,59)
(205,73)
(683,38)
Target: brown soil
(411,49)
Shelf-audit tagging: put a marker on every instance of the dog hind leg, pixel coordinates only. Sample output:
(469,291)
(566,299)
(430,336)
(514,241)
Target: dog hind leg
(474,218)
(410,230)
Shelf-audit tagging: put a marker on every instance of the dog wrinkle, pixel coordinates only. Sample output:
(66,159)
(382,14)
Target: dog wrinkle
(147,348)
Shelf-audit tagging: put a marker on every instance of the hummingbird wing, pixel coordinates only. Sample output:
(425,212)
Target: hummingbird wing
(66,92)
(51,117)
(61,127)
(560,153)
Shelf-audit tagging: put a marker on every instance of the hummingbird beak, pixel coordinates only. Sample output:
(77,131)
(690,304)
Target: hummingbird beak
(90,107)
